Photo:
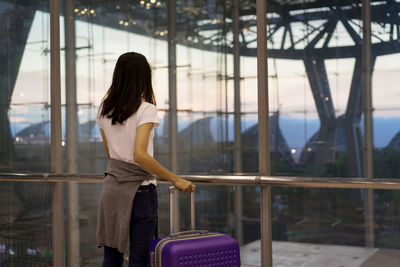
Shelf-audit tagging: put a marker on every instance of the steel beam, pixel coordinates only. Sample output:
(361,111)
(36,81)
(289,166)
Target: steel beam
(319,83)
(352,120)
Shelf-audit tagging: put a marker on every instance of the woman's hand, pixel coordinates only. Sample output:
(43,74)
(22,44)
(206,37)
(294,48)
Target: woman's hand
(151,165)
(184,185)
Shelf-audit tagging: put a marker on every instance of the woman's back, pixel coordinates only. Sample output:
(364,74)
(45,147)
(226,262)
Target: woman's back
(121,137)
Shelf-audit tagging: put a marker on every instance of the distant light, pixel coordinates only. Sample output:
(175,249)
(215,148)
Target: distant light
(147,4)
(126,23)
(152,1)
(142,2)
(293,150)
(92,11)
(309,149)
(162,33)
(118,7)
(30,251)
(121,22)
(76,10)
(17,139)
(326,98)
(158,3)
(83,12)
(62,143)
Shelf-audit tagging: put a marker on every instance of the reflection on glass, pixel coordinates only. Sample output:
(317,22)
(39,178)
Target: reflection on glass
(25,213)
(25,224)
(24,93)
(207,88)
(316,94)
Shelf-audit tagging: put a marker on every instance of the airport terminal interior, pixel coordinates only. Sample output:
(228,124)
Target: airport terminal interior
(328,110)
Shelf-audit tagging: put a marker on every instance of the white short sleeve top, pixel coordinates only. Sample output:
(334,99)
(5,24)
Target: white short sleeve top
(121,137)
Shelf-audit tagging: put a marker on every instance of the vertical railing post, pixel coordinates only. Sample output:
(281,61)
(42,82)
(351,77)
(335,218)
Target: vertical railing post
(368,139)
(172,98)
(58,208)
(237,115)
(263,133)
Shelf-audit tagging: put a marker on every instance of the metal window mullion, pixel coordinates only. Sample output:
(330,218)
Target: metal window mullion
(237,119)
(172,98)
(263,133)
(55,110)
(368,139)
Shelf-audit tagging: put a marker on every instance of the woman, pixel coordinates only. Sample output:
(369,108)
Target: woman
(128,204)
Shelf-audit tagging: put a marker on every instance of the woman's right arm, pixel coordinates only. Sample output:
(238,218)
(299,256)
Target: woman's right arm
(151,165)
(103,136)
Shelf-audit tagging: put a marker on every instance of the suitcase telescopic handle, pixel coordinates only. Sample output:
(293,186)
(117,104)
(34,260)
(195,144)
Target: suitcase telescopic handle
(172,190)
(192,232)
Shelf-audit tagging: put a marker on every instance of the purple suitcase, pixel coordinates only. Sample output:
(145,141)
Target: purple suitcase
(193,248)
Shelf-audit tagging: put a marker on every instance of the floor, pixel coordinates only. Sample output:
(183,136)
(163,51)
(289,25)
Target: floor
(290,254)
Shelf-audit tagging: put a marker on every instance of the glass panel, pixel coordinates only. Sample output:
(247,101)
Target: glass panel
(24,87)
(25,224)
(25,213)
(205,84)
(208,84)
(101,32)
(326,227)
(81,223)
(94,34)
(315,89)
(386,114)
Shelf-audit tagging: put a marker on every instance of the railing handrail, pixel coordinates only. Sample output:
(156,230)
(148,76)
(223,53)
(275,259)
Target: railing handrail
(231,179)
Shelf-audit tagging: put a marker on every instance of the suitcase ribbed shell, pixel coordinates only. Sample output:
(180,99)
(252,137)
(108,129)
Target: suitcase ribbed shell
(197,251)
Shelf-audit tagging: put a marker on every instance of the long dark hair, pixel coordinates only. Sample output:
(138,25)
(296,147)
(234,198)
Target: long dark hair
(130,85)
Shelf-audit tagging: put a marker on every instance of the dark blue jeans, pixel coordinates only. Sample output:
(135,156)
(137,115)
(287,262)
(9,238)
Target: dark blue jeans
(142,230)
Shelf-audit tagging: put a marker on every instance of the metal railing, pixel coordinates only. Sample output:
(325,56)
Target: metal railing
(265,182)
(255,180)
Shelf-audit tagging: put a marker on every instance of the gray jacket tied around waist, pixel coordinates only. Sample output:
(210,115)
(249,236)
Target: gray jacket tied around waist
(121,182)
(127,172)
